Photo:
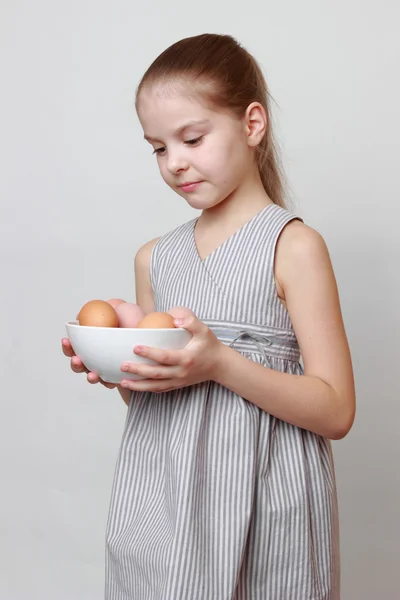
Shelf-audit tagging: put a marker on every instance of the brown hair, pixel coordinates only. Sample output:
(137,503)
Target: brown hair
(233,80)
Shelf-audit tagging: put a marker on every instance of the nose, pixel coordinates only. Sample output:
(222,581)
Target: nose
(176,162)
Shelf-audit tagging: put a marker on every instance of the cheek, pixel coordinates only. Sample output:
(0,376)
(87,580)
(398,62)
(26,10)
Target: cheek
(224,166)
(214,163)
(165,174)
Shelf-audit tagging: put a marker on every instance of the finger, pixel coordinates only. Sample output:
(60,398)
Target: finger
(67,348)
(150,371)
(92,377)
(149,385)
(191,323)
(109,386)
(184,317)
(181,312)
(164,357)
(77,365)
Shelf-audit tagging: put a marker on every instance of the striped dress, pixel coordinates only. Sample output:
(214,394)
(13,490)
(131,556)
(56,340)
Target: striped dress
(213,498)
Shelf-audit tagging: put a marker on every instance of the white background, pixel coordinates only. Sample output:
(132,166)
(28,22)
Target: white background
(80,192)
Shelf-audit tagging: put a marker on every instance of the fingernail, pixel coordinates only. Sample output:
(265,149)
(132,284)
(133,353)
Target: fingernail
(178,322)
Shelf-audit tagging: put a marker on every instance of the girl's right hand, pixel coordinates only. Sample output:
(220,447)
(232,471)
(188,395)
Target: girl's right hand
(78,367)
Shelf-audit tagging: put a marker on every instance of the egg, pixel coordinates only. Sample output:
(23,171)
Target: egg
(129,315)
(98,313)
(115,302)
(156,320)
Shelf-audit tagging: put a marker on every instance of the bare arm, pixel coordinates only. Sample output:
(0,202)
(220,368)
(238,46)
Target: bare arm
(323,400)
(144,292)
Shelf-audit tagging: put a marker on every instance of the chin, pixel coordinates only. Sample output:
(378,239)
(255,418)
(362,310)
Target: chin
(199,200)
(200,204)
(202,201)
(197,203)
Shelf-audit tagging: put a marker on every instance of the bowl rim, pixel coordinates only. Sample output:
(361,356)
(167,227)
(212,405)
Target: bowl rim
(75,324)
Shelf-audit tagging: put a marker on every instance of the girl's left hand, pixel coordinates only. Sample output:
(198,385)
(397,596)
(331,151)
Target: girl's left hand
(195,363)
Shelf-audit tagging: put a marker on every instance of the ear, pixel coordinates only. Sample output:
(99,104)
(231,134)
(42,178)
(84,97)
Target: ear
(255,121)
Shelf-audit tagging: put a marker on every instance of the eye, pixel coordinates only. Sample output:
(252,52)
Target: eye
(159,151)
(194,142)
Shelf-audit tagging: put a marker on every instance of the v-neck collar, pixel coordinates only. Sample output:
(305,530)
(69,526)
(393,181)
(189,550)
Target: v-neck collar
(230,237)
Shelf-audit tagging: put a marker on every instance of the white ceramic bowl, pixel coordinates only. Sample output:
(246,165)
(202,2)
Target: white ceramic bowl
(103,350)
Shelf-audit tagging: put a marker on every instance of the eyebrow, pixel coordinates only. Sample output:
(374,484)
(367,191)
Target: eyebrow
(181,129)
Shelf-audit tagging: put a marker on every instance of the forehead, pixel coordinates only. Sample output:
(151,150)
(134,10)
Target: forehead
(164,107)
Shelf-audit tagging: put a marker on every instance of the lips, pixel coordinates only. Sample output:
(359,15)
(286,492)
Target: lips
(190,186)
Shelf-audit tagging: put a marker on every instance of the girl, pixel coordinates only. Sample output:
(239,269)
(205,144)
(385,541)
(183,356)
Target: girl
(224,486)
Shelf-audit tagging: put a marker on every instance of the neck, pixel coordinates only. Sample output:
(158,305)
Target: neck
(240,206)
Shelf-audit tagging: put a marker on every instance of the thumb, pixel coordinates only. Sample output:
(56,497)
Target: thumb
(184,317)
(180,312)
(190,322)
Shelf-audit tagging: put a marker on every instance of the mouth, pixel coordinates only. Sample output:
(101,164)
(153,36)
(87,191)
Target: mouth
(190,186)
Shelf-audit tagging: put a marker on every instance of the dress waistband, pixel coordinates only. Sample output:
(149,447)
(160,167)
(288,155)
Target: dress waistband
(266,341)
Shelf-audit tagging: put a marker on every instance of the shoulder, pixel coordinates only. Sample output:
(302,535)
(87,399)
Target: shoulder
(175,234)
(143,255)
(298,243)
(160,245)
(301,253)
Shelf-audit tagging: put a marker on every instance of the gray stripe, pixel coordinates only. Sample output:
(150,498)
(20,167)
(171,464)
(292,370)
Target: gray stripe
(214,499)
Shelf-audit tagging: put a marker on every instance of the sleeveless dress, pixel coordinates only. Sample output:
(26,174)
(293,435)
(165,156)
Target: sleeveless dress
(213,498)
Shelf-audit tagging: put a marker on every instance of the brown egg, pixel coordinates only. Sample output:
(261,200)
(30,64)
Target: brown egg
(156,320)
(115,302)
(129,315)
(98,313)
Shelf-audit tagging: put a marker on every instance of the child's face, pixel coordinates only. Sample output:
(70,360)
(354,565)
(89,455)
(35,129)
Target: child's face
(195,144)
